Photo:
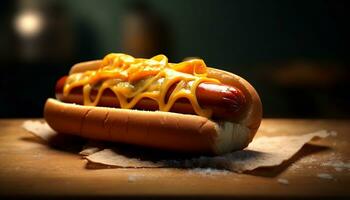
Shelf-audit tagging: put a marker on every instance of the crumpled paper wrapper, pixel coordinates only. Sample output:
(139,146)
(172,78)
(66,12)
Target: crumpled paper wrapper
(262,152)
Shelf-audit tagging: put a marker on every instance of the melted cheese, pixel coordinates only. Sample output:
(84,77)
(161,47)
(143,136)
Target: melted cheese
(132,79)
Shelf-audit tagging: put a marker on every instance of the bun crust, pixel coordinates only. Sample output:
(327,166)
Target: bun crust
(165,130)
(157,129)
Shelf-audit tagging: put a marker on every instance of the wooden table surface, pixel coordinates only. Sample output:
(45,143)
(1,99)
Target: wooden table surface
(29,168)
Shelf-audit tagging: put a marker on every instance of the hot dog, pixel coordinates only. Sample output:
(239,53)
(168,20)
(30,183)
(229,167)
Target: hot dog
(185,106)
(224,101)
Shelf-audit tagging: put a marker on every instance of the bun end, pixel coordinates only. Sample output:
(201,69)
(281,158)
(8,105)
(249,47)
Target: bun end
(241,132)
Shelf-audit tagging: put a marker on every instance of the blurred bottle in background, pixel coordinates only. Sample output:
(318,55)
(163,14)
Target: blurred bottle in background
(40,43)
(42,30)
(144,33)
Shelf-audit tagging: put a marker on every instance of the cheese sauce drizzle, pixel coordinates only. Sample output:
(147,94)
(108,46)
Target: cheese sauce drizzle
(132,79)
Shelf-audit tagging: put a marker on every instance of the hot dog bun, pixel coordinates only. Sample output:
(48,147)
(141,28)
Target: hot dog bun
(164,130)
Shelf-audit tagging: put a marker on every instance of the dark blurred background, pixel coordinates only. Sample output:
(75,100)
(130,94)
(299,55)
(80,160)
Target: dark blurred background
(295,53)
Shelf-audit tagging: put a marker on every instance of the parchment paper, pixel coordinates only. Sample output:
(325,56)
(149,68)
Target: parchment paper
(262,152)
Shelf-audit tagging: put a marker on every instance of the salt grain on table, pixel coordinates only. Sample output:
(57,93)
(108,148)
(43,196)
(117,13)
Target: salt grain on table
(324,176)
(208,171)
(283,181)
(333,133)
(338,169)
(337,165)
(133,178)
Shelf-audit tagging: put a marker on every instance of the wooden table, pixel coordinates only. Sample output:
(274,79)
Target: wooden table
(29,168)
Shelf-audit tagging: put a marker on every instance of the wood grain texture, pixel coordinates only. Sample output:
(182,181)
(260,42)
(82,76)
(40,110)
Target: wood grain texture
(29,168)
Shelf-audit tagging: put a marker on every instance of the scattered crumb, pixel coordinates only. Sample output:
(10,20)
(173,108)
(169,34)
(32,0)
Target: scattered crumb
(133,178)
(338,169)
(324,176)
(164,169)
(337,165)
(333,133)
(295,166)
(37,156)
(309,160)
(283,181)
(208,171)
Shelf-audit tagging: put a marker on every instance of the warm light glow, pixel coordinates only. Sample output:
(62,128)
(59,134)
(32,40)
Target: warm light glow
(28,23)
